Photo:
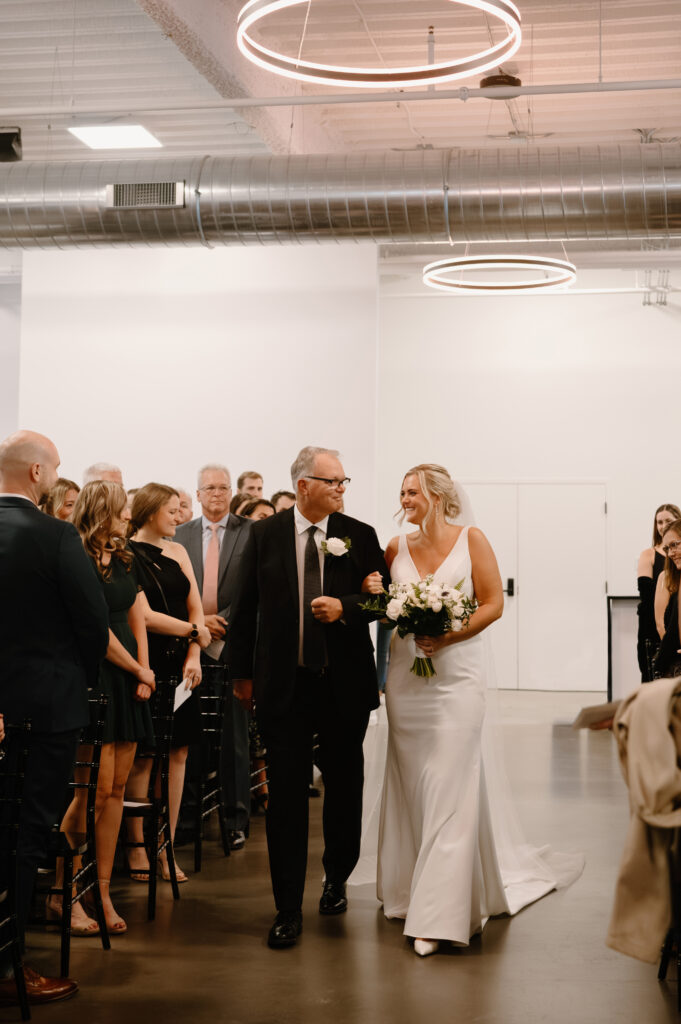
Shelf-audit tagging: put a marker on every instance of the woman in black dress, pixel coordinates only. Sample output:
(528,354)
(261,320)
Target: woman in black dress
(125,677)
(174,620)
(668,660)
(650,566)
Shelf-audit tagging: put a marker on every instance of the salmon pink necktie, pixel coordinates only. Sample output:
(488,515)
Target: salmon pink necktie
(209,596)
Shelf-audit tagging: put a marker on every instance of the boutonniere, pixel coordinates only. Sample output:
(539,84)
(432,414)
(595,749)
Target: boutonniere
(336,546)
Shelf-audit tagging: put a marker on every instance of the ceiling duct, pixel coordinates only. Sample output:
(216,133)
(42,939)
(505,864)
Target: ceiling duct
(538,193)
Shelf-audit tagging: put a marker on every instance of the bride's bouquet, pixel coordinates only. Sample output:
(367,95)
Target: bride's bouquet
(425,608)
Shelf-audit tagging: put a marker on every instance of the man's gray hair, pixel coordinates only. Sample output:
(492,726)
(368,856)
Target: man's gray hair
(94,472)
(304,464)
(214,466)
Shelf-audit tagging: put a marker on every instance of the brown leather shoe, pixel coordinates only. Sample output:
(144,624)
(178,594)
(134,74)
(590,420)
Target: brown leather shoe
(38,988)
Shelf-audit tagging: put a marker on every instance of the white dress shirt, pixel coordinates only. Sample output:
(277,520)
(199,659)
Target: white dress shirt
(302,525)
(207,533)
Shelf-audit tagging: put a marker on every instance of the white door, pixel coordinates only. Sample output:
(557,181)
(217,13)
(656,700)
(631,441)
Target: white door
(549,540)
(562,623)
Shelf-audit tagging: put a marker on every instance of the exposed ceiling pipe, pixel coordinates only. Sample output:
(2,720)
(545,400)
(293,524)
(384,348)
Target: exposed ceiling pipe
(592,192)
(463,93)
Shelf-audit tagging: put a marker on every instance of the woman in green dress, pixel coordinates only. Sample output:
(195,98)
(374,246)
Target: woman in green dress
(125,676)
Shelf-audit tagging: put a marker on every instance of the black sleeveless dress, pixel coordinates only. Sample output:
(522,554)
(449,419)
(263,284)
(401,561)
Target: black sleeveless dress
(668,660)
(648,637)
(127,719)
(167,588)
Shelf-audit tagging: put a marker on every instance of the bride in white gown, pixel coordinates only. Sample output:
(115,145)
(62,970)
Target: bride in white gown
(441,866)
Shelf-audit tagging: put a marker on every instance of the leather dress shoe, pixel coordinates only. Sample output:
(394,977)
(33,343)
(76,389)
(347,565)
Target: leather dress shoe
(38,989)
(236,838)
(334,900)
(286,928)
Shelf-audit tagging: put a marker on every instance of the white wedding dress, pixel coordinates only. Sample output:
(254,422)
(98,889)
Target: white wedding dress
(441,867)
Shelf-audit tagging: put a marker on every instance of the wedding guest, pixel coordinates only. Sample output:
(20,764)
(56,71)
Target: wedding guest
(186,507)
(53,634)
(297,619)
(668,659)
(259,508)
(237,502)
(125,676)
(650,565)
(250,482)
(103,471)
(128,504)
(174,620)
(215,542)
(282,500)
(61,499)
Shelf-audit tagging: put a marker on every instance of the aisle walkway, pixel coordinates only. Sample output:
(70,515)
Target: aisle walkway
(205,959)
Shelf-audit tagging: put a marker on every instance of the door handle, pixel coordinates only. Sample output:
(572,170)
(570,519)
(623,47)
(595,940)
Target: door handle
(510,587)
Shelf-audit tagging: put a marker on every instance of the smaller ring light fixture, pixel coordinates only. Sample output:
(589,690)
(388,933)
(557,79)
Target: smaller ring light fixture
(421,74)
(556,275)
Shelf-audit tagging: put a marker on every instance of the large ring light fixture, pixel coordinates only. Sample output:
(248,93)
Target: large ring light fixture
(422,74)
(560,274)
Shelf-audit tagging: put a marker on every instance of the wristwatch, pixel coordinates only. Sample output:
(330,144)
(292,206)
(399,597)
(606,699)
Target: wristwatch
(194,634)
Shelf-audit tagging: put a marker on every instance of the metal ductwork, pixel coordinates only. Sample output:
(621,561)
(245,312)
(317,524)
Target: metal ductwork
(541,193)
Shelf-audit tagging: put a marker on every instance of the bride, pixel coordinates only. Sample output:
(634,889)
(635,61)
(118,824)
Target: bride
(445,863)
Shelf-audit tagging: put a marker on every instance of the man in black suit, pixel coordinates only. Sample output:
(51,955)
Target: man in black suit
(53,634)
(227,533)
(300,645)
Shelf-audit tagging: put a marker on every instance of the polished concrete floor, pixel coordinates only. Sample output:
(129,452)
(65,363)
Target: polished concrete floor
(205,958)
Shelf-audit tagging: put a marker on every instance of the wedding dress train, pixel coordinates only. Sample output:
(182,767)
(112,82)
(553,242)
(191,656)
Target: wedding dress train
(445,863)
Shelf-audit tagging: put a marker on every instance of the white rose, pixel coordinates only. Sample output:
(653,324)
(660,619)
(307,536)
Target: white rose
(394,609)
(456,626)
(435,603)
(336,546)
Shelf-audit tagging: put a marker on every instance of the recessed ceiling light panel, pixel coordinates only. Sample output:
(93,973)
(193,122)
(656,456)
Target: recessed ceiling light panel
(116,136)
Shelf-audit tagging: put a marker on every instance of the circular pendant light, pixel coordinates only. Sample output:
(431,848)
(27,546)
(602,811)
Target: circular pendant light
(556,274)
(421,74)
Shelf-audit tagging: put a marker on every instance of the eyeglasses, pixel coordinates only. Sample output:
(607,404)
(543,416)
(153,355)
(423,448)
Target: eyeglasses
(330,483)
(212,488)
(670,548)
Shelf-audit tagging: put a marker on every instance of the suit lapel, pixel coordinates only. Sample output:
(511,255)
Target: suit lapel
(332,530)
(228,541)
(195,550)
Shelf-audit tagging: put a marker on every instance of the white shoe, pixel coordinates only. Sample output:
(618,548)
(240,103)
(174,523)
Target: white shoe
(424,947)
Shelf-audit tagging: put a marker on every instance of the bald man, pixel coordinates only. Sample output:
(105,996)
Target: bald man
(53,634)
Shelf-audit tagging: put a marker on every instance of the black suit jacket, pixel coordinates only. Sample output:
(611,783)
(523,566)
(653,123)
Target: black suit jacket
(190,536)
(54,623)
(264,627)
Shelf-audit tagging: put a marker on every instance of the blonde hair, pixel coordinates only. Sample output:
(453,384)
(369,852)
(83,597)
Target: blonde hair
(97,505)
(57,496)
(146,502)
(435,482)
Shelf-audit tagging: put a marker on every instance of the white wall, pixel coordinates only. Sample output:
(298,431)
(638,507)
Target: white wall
(161,360)
(536,388)
(10,326)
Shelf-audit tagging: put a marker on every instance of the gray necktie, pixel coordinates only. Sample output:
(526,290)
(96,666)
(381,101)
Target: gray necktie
(314,641)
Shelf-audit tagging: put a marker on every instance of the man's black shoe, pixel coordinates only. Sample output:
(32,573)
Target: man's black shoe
(334,900)
(286,928)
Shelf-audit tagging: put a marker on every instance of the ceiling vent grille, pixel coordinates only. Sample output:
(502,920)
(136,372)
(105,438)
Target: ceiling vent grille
(145,195)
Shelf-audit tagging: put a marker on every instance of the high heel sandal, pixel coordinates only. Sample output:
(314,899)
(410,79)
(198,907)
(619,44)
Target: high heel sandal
(53,915)
(164,872)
